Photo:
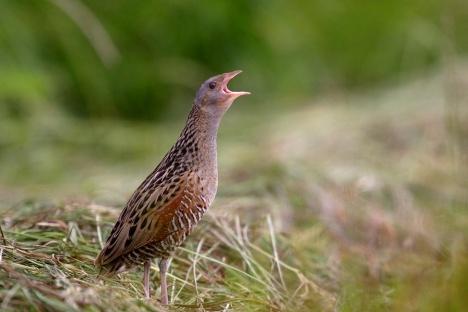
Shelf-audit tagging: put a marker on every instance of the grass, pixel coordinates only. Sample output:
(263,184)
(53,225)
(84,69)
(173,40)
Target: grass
(49,265)
(349,203)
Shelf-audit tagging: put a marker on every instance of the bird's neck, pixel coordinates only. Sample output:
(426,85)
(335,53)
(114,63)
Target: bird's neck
(198,142)
(202,126)
(198,138)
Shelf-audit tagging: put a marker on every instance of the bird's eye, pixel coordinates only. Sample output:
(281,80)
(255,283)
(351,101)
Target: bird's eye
(212,85)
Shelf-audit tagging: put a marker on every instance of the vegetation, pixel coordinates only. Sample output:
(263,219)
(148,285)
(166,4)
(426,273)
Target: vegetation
(112,58)
(337,207)
(352,199)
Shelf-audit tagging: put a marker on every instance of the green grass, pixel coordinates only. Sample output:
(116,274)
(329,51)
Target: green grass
(346,203)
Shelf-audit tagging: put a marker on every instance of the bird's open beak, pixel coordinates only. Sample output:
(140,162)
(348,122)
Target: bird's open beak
(226,78)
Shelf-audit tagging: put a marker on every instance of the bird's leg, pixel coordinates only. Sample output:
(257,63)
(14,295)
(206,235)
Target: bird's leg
(146,276)
(162,273)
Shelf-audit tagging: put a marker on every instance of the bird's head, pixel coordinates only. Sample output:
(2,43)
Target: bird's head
(214,95)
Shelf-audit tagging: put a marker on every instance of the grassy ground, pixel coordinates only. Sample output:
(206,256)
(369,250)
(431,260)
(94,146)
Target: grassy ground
(349,203)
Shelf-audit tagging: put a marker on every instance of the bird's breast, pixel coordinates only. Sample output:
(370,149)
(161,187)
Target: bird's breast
(209,183)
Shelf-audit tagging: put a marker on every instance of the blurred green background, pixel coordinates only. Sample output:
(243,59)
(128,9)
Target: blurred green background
(144,61)
(93,88)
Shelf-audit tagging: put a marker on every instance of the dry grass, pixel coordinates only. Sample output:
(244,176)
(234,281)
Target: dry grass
(350,204)
(48,264)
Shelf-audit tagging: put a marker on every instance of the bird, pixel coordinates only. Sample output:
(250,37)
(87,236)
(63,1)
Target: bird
(169,203)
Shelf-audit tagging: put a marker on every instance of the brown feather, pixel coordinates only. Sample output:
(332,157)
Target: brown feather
(154,229)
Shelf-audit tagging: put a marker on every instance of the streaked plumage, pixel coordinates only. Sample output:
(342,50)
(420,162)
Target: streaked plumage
(167,205)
